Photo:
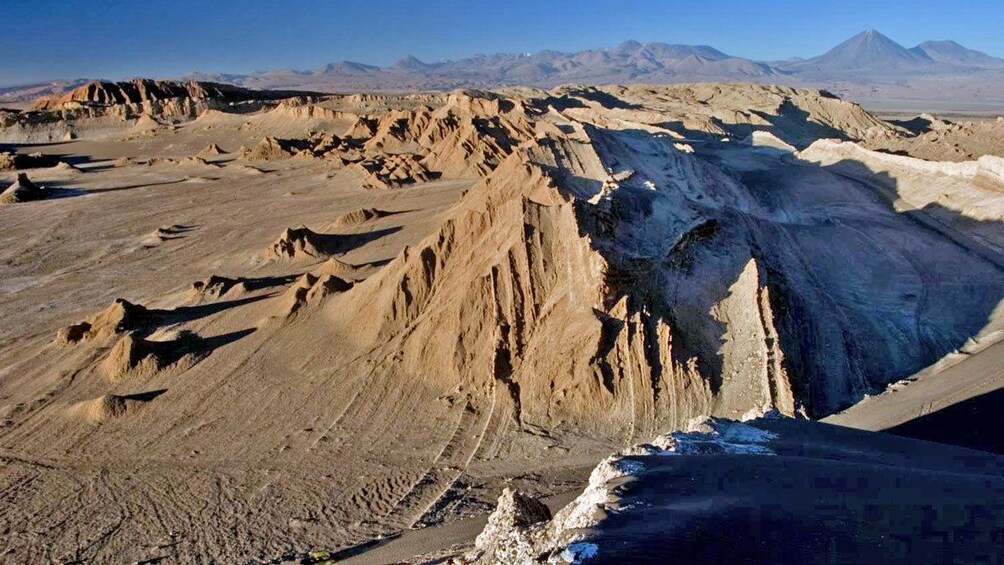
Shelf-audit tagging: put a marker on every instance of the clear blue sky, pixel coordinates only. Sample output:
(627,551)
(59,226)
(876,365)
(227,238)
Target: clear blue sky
(46,39)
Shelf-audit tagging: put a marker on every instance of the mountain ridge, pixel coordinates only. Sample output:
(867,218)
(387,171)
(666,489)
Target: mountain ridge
(869,50)
(866,59)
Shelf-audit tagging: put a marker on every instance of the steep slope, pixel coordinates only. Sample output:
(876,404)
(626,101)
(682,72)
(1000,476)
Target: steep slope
(669,259)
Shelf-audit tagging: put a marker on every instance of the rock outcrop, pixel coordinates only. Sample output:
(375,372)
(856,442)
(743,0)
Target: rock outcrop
(104,408)
(666,498)
(104,93)
(11,161)
(393,171)
(272,149)
(22,190)
(506,537)
(211,150)
(301,242)
(135,356)
(360,216)
(120,317)
(605,279)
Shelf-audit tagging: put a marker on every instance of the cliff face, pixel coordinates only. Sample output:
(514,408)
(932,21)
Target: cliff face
(138,91)
(609,279)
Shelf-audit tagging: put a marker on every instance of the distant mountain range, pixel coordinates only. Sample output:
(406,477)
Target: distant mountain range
(866,65)
(872,54)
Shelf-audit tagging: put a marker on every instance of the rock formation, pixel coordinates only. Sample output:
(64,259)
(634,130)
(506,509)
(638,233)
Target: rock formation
(135,356)
(211,150)
(506,539)
(299,242)
(272,149)
(593,267)
(104,408)
(120,317)
(666,498)
(22,190)
(360,216)
(103,93)
(392,171)
(602,278)
(214,286)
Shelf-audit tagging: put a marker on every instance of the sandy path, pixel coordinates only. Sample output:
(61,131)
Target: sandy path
(437,538)
(974,375)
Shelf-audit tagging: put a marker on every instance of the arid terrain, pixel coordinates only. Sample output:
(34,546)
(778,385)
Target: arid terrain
(245,326)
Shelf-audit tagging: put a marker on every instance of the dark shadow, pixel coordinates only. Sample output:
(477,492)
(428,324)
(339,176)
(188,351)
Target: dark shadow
(302,239)
(579,186)
(190,313)
(933,216)
(677,126)
(917,126)
(177,231)
(59,192)
(39,144)
(56,191)
(259,283)
(954,302)
(572,97)
(972,423)
(145,396)
(221,285)
(792,125)
(25,160)
(32,161)
(900,152)
(210,344)
(186,344)
(346,243)
(50,191)
(133,186)
(94,168)
(377,263)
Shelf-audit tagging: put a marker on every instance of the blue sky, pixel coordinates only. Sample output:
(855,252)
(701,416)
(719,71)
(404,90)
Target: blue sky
(46,39)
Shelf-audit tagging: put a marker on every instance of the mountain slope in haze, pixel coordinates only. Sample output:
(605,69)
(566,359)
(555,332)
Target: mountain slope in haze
(952,53)
(631,61)
(867,57)
(29,92)
(866,65)
(867,51)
